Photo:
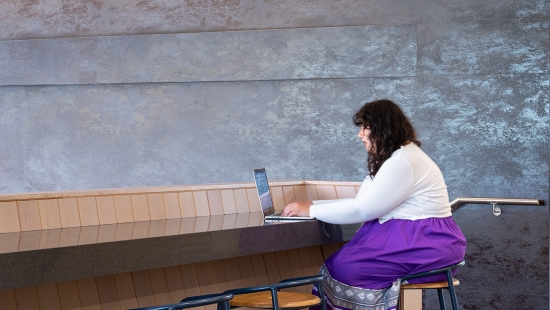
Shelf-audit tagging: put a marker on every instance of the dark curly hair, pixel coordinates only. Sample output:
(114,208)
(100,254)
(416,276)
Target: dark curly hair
(389,130)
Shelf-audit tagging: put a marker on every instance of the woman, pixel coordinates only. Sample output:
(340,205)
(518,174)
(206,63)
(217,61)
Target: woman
(405,208)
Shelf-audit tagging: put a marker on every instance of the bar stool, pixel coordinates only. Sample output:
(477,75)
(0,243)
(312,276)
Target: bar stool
(221,299)
(449,284)
(270,296)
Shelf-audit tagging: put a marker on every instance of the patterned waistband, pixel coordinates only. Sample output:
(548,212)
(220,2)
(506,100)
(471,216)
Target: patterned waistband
(356,298)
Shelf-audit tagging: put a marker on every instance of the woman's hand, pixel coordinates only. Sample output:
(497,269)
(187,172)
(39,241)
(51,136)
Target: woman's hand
(300,208)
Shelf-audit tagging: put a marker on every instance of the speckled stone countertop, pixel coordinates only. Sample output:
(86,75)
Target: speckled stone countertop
(56,255)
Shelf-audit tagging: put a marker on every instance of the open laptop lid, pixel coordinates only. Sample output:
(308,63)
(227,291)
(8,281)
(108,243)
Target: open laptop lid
(260,177)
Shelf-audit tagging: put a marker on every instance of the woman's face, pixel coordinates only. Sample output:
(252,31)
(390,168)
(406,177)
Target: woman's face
(364,133)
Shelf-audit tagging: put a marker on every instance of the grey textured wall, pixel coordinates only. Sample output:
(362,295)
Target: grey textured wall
(107,93)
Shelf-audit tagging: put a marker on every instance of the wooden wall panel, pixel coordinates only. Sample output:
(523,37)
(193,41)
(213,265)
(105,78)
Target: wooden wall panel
(215,202)
(26,298)
(106,210)
(142,287)
(174,281)
(311,192)
(9,242)
(89,296)
(234,277)
(106,289)
(219,275)
(48,297)
(278,197)
(187,204)
(123,209)
(29,215)
(300,193)
(87,207)
(253,200)
(7,300)
(9,217)
(29,240)
(159,285)
(172,205)
(345,191)
(50,238)
(68,295)
(228,200)
(170,284)
(141,230)
(124,231)
(49,213)
(289,194)
(107,233)
(140,207)
(69,236)
(125,291)
(88,235)
(157,228)
(325,192)
(241,200)
(157,210)
(201,203)
(270,262)
(69,213)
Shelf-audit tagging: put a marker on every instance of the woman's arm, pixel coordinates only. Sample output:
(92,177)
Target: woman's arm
(392,185)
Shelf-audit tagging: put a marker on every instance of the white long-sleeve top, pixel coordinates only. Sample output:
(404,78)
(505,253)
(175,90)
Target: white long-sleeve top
(409,185)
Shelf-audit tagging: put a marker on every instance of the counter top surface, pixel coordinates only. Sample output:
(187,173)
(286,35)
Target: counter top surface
(56,255)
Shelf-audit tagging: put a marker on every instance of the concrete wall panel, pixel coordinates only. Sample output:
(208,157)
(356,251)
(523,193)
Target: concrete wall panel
(234,56)
(81,18)
(484,47)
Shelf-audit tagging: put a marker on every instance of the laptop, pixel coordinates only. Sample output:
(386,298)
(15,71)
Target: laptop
(260,177)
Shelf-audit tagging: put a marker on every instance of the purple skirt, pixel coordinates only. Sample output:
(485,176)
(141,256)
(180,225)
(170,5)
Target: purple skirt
(364,274)
(378,254)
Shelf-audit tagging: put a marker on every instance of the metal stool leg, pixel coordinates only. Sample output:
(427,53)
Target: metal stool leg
(441,300)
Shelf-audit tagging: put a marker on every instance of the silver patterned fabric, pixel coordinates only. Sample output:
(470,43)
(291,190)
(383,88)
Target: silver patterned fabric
(342,296)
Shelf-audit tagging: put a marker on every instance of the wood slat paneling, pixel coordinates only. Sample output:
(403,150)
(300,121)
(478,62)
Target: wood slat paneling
(345,192)
(123,209)
(278,197)
(50,238)
(68,295)
(311,192)
(29,215)
(201,203)
(26,298)
(172,205)
(228,200)
(89,296)
(87,207)
(140,207)
(9,242)
(69,213)
(106,210)
(7,300)
(157,210)
(174,281)
(187,204)
(215,202)
(9,217)
(159,286)
(49,214)
(88,235)
(241,200)
(48,297)
(106,289)
(253,199)
(125,291)
(300,192)
(325,192)
(142,287)
(289,194)
(29,240)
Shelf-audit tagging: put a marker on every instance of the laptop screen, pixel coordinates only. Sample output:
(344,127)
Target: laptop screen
(263,191)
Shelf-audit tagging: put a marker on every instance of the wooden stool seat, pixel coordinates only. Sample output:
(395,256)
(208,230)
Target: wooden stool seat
(442,284)
(286,300)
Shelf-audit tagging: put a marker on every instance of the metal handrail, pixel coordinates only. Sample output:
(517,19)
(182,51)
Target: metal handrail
(457,202)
